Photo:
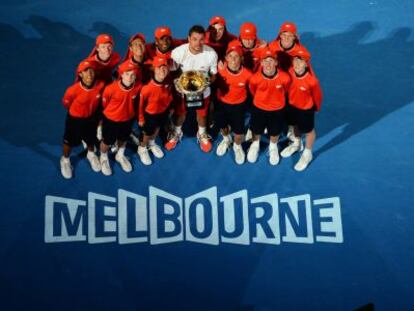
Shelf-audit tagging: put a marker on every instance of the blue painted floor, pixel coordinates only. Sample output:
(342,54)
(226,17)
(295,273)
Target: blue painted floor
(362,53)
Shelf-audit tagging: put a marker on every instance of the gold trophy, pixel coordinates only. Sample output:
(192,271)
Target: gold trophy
(191,84)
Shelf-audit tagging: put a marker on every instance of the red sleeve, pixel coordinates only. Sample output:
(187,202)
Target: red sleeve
(106,96)
(142,104)
(252,85)
(68,97)
(317,95)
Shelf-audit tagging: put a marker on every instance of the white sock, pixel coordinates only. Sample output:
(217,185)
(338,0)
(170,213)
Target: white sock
(121,151)
(307,152)
(104,155)
(151,142)
(226,138)
(90,154)
(273,145)
(66,159)
(201,130)
(256,143)
(177,129)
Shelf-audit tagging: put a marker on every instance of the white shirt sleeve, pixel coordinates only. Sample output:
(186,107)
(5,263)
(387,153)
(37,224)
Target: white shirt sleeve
(175,56)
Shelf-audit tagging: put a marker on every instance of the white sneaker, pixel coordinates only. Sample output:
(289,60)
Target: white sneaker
(65,168)
(144,155)
(249,135)
(99,132)
(156,151)
(293,147)
(273,153)
(239,155)
(253,152)
(124,162)
(93,161)
(105,167)
(223,146)
(304,161)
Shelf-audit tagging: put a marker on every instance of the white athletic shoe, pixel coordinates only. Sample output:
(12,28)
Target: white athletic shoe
(124,162)
(273,153)
(99,132)
(94,161)
(249,135)
(304,161)
(65,168)
(293,147)
(223,146)
(144,155)
(239,155)
(253,152)
(105,167)
(156,151)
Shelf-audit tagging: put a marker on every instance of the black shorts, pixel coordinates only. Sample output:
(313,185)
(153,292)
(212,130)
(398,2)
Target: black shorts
(78,129)
(113,131)
(303,119)
(233,115)
(272,120)
(154,121)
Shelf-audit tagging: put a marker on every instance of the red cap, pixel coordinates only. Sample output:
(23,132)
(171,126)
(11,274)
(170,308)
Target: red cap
(104,38)
(127,66)
(248,31)
(236,46)
(85,64)
(159,61)
(217,20)
(267,53)
(288,26)
(138,36)
(302,53)
(162,31)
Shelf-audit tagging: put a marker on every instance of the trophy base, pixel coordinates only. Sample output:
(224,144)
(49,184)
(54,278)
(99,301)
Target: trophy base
(194,102)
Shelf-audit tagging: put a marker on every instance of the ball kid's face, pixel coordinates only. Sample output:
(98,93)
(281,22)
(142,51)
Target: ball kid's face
(299,65)
(233,60)
(128,77)
(287,39)
(87,76)
(161,72)
(137,48)
(163,43)
(269,65)
(104,51)
(196,41)
(217,31)
(248,43)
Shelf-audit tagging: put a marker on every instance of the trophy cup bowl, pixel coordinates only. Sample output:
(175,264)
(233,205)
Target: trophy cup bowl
(191,84)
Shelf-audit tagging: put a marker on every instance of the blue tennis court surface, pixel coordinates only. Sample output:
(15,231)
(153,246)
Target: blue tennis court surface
(195,231)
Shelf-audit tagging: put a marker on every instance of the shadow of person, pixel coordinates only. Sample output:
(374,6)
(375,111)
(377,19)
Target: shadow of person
(362,82)
(35,74)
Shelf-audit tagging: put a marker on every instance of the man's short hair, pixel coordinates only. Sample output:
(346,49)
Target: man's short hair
(197,29)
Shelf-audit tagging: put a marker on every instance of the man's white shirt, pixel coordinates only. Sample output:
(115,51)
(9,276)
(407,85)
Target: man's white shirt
(185,60)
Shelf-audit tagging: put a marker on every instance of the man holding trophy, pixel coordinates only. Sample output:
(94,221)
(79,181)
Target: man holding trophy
(196,67)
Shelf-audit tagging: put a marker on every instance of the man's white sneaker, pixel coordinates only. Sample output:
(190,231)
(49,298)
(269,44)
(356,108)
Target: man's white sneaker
(304,161)
(239,155)
(223,146)
(156,151)
(105,167)
(291,148)
(253,152)
(124,162)
(94,161)
(273,154)
(65,168)
(144,155)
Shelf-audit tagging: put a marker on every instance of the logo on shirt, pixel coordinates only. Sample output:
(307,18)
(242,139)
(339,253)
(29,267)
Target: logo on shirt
(278,86)
(241,84)
(302,88)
